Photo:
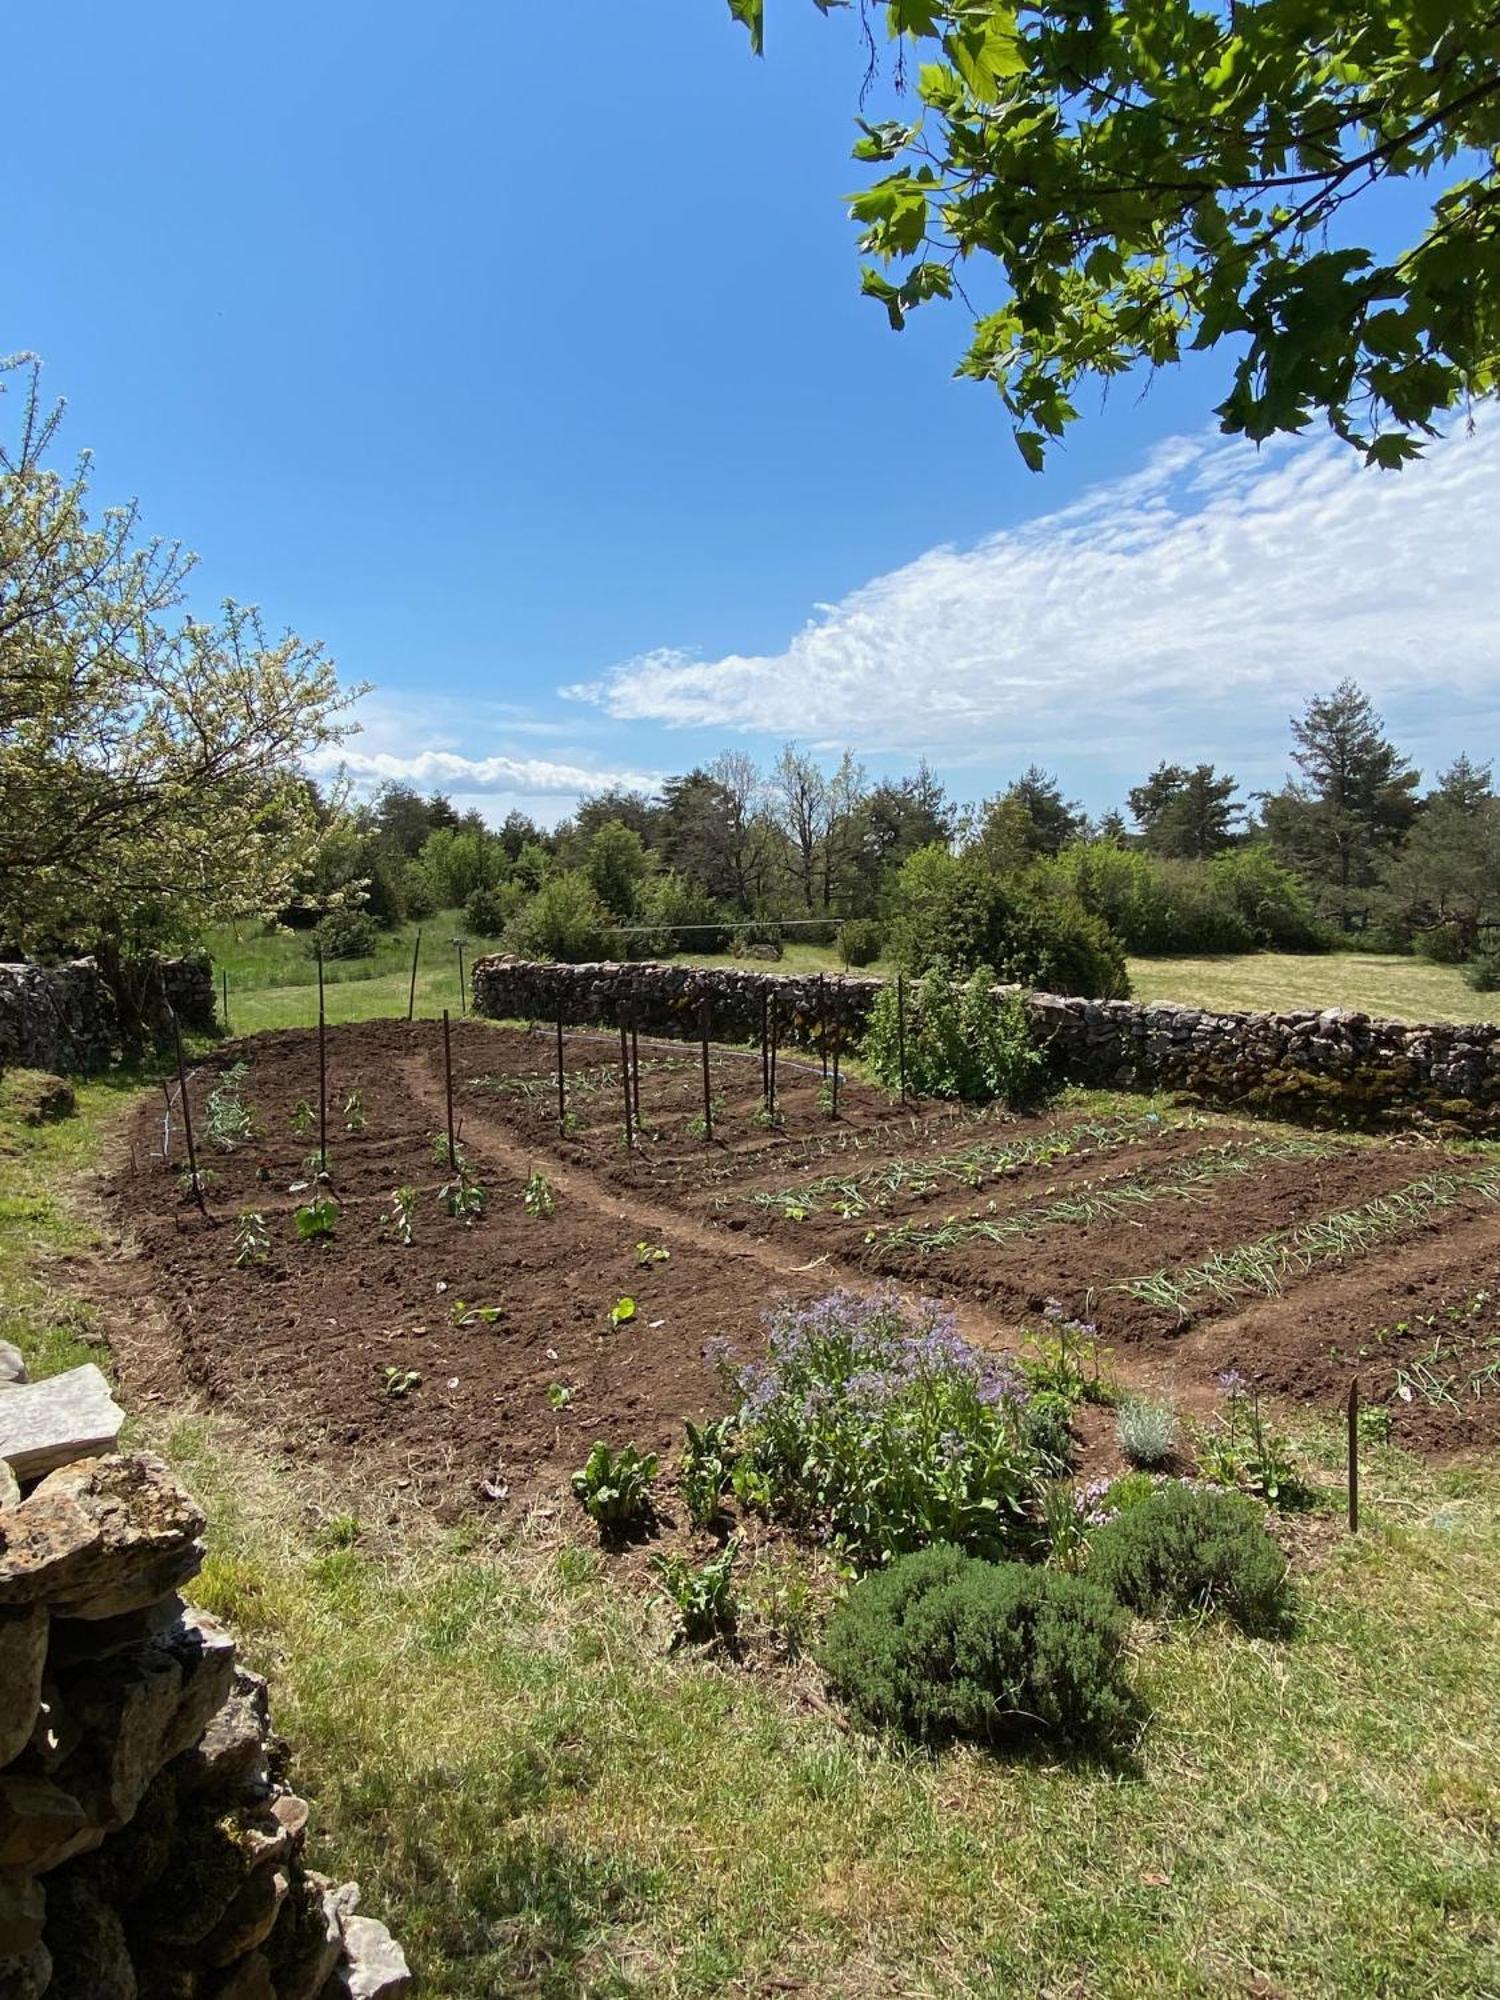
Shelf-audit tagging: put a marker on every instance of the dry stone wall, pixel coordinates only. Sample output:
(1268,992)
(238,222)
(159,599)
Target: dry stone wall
(151,1847)
(64,1017)
(1335,1064)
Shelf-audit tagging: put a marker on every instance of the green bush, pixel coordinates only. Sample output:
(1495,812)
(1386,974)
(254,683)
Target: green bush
(564,920)
(1442,944)
(862,940)
(1184,1550)
(1271,899)
(942,1644)
(1483,970)
(418,894)
(674,913)
(485,914)
(345,934)
(874,1424)
(967,1041)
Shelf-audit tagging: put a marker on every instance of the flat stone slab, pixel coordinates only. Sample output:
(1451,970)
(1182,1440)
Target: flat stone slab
(46,1424)
(12,1365)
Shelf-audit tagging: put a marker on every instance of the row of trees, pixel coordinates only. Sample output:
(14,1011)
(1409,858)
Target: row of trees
(1349,848)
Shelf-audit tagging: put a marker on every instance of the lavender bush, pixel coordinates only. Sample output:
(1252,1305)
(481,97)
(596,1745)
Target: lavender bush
(874,1423)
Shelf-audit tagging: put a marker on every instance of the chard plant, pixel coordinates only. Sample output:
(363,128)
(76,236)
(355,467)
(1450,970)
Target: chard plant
(622,1312)
(614,1487)
(647,1254)
(701,1595)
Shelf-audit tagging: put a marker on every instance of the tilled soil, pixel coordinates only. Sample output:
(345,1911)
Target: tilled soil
(483,1360)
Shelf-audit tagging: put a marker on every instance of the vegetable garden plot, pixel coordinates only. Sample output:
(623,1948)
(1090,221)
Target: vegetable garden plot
(393,1319)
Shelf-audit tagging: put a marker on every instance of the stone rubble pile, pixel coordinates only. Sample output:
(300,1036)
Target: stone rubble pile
(1334,1064)
(150,1847)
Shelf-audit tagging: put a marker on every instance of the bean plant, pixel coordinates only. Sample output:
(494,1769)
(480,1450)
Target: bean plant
(252,1241)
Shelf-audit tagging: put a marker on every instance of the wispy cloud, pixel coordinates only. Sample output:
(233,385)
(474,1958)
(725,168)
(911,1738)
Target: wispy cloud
(1200,599)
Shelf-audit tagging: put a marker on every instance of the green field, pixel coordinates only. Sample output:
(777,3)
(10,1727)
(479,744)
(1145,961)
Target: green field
(544,1799)
(1401,989)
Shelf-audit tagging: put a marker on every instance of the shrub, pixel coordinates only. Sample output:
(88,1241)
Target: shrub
(1271,899)
(757,940)
(954,911)
(1483,970)
(1442,944)
(418,893)
(614,1487)
(968,1042)
(862,939)
(674,913)
(485,913)
(345,934)
(942,1645)
(873,1423)
(1146,1431)
(1184,1550)
(563,920)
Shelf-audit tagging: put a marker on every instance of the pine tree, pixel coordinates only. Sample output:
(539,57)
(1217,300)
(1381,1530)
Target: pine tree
(1186,815)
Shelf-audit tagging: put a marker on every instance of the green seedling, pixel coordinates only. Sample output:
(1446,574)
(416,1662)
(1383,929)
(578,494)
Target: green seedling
(399,1382)
(647,1254)
(702,1596)
(537,1197)
(252,1242)
(316,1220)
(613,1488)
(354,1112)
(622,1312)
(464,1314)
(559,1395)
(304,1118)
(403,1215)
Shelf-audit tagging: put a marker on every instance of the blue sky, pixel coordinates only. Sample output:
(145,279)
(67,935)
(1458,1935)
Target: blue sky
(517,352)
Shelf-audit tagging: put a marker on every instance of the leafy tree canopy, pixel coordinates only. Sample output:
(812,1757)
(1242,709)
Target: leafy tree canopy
(1136,178)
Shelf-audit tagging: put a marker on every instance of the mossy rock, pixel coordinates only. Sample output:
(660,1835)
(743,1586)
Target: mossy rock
(36,1097)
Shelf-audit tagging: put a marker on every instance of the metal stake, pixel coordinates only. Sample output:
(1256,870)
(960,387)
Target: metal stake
(1354,1456)
(322,1072)
(823,1022)
(562,1086)
(708,1100)
(635,1063)
(837,1042)
(416,953)
(187,1113)
(901,1029)
(625,1081)
(448,1094)
(463,998)
(775,1035)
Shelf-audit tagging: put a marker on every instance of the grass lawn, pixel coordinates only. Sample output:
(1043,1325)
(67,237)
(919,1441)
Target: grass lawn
(1401,989)
(545,1800)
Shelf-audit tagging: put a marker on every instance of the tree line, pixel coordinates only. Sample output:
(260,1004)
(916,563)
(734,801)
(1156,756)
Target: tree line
(1350,850)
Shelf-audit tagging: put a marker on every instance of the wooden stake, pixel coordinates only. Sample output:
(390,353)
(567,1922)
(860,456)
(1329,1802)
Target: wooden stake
(635,1064)
(224,987)
(463,998)
(708,1099)
(562,1086)
(837,1040)
(416,953)
(1354,1456)
(187,1113)
(775,1034)
(448,1094)
(322,1072)
(765,1045)
(823,1021)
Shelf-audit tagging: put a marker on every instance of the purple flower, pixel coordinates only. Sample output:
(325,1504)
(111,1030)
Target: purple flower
(1232,1385)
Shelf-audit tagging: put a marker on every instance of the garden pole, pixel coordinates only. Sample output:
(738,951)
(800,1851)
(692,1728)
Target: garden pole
(625,1080)
(901,1030)
(765,1044)
(562,1086)
(448,1094)
(224,985)
(463,998)
(1354,1456)
(823,1021)
(708,1100)
(838,1035)
(416,953)
(635,1062)
(322,1071)
(775,1030)
(187,1113)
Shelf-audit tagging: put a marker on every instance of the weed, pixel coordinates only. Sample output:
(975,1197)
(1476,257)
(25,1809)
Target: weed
(702,1595)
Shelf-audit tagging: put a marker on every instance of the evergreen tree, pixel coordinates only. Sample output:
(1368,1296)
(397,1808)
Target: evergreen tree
(1340,822)
(1186,814)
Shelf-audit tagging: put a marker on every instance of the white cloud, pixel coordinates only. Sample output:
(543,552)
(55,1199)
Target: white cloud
(446,770)
(1198,600)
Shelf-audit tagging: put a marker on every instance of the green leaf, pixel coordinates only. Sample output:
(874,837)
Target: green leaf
(752,14)
(1032,447)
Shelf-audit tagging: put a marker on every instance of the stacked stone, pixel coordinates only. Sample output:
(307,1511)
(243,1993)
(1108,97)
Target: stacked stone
(64,1017)
(1334,1064)
(150,1847)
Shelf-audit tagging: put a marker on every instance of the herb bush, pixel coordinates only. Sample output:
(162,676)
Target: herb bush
(873,1424)
(1186,1550)
(942,1644)
(1145,1430)
(963,1041)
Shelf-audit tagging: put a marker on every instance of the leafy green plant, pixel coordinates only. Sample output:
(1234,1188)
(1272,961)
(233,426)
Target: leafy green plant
(316,1220)
(1185,1550)
(943,1644)
(647,1254)
(622,1312)
(196,1183)
(304,1119)
(1068,1361)
(464,1199)
(708,1461)
(559,1395)
(462,1313)
(1240,1448)
(252,1241)
(317,1167)
(702,1594)
(397,1383)
(1145,1430)
(537,1197)
(403,1215)
(873,1423)
(968,1041)
(614,1487)
(354,1112)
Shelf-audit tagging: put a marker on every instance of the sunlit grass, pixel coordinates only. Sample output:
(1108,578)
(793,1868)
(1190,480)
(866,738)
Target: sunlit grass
(1400,989)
